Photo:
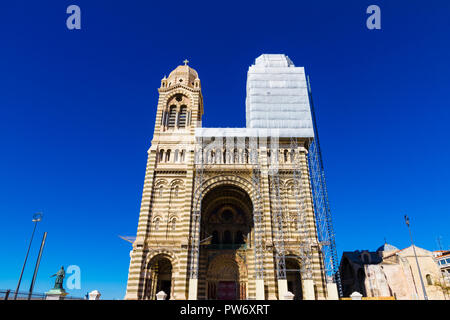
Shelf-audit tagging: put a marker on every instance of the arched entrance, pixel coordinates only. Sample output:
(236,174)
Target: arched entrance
(226,277)
(293,276)
(159,277)
(226,233)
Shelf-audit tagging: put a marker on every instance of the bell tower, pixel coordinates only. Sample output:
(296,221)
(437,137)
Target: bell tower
(180,104)
(163,229)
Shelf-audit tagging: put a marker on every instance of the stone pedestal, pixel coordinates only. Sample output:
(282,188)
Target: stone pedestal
(289,296)
(308,290)
(282,288)
(356,296)
(94,295)
(332,291)
(260,295)
(161,295)
(193,284)
(56,294)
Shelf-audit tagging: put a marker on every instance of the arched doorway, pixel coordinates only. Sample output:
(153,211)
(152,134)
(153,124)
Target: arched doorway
(226,233)
(159,277)
(224,278)
(293,276)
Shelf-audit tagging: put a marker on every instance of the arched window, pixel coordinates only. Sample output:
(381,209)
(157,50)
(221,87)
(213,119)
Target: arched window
(161,155)
(173,224)
(176,156)
(156,223)
(227,237)
(239,237)
(161,188)
(172,116)
(285,156)
(183,152)
(168,155)
(215,237)
(182,117)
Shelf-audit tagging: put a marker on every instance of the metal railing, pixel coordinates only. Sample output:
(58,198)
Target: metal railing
(6,294)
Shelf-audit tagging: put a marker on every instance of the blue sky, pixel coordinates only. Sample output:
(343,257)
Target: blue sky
(77,113)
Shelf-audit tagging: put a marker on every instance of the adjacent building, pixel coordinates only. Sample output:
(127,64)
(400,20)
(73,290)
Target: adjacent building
(443,260)
(390,272)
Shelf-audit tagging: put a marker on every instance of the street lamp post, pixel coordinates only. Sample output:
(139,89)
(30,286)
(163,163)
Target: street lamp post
(36,268)
(417,261)
(36,218)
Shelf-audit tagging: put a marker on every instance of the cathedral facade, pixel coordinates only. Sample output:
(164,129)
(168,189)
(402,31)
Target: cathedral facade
(227,213)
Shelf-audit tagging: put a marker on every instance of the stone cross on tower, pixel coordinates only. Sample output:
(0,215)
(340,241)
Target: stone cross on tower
(186,61)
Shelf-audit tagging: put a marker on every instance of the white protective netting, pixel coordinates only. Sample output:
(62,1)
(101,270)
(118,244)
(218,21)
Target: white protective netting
(277,101)
(252,132)
(277,95)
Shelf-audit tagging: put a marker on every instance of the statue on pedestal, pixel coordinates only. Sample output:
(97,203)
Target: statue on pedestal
(58,292)
(59,278)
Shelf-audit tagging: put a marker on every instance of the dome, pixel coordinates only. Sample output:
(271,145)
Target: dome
(182,74)
(387,247)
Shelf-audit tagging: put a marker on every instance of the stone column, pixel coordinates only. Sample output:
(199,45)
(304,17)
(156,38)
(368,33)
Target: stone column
(282,288)
(332,291)
(193,286)
(308,290)
(259,283)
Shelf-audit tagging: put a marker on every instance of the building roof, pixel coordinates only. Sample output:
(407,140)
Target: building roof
(441,254)
(386,247)
(182,74)
(357,257)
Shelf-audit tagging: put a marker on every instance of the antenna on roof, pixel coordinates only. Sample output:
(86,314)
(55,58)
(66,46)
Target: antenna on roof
(438,239)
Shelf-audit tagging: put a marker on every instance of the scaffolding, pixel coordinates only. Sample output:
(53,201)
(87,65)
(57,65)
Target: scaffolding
(305,251)
(316,179)
(199,155)
(257,211)
(277,214)
(322,211)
